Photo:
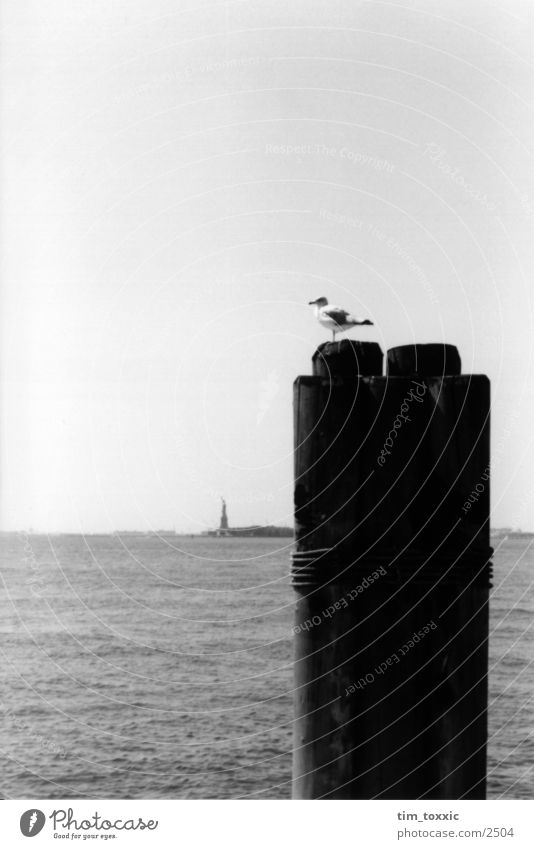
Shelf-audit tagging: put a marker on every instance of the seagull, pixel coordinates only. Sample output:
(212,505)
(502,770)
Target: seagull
(335,318)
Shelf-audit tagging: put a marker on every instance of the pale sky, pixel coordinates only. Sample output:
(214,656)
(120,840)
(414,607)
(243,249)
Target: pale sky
(161,238)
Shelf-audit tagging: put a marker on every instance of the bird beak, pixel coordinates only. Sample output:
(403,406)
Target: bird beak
(311,302)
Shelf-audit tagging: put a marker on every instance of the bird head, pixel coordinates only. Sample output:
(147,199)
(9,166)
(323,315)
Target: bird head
(320,302)
(367,321)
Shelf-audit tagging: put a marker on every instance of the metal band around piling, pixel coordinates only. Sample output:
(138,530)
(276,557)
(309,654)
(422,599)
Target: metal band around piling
(325,566)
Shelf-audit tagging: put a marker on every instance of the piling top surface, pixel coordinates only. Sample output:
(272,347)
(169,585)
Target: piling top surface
(432,359)
(347,358)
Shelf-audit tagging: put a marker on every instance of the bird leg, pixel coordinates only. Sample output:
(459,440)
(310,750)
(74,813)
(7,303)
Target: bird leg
(333,335)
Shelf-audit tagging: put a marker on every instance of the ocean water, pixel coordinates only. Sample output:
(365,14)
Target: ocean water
(162,668)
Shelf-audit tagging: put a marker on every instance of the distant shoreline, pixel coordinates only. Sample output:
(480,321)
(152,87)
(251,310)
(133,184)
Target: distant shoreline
(234,533)
(237,532)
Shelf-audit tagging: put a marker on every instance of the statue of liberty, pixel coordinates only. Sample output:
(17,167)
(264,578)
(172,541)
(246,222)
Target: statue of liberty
(224,517)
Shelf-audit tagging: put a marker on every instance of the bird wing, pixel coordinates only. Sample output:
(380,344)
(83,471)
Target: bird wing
(337,314)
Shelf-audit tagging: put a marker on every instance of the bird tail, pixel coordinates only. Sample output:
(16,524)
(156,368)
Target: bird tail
(351,319)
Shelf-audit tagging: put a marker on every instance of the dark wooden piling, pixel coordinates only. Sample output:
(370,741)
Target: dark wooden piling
(391,572)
